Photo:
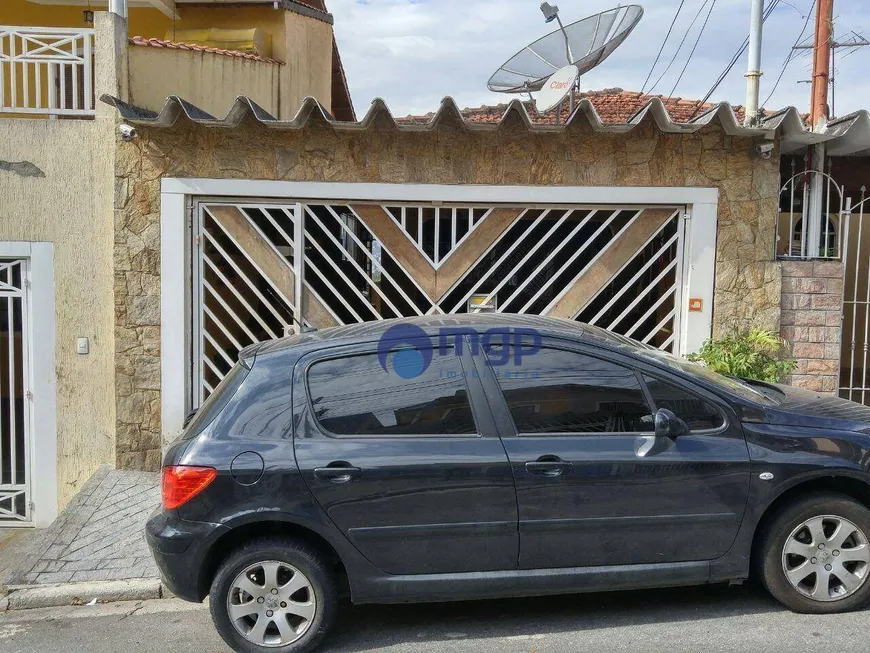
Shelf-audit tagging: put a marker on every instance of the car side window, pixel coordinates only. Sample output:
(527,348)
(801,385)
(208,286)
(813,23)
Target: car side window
(698,414)
(356,396)
(557,391)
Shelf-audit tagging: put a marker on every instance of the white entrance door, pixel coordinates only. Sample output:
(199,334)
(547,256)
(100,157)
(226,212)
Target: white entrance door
(15,478)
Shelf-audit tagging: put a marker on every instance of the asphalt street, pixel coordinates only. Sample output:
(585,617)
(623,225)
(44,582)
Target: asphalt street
(696,619)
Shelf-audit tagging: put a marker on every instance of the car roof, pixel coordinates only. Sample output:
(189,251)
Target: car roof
(432,324)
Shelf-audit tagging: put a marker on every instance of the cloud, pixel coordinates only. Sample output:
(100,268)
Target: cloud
(412,54)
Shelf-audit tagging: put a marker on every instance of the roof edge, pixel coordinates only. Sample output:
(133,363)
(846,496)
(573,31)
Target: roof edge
(851,133)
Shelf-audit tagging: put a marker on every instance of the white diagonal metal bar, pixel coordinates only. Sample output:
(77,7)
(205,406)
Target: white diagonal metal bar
(267,242)
(558,248)
(500,260)
(387,250)
(646,266)
(667,343)
(250,260)
(214,368)
(373,260)
(244,277)
(220,300)
(217,347)
(335,266)
(290,242)
(661,275)
(332,289)
(356,265)
(574,257)
(237,295)
(313,292)
(624,265)
(224,330)
(658,327)
(528,256)
(661,300)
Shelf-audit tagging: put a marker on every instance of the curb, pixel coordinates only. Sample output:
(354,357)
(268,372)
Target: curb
(25,597)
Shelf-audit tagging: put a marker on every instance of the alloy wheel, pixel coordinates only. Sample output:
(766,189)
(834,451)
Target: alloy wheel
(271,603)
(826,558)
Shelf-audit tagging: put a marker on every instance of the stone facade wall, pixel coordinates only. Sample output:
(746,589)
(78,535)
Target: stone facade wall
(812,311)
(747,284)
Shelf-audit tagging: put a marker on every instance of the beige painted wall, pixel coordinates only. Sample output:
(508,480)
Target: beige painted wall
(308,53)
(210,81)
(70,206)
(64,194)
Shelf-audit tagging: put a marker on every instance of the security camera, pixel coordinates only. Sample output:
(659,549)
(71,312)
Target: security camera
(128,132)
(765,150)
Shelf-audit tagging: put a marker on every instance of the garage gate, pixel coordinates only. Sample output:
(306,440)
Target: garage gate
(260,268)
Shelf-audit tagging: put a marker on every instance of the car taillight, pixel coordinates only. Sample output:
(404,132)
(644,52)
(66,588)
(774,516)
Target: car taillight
(181,483)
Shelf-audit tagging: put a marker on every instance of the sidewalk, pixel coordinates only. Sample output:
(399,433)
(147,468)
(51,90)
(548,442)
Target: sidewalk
(98,537)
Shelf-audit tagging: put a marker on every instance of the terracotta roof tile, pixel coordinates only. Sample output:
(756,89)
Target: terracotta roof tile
(613,105)
(174,45)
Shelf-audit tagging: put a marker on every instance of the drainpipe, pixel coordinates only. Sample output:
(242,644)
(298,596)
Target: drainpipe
(118,7)
(753,73)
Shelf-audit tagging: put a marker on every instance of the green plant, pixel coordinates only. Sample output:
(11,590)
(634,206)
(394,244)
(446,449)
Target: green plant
(754,354)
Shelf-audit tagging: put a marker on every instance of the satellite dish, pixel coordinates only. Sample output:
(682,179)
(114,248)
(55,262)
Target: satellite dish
(583,44)
(557,86)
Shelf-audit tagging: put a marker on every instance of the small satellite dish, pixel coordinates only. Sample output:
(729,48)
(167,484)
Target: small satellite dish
(557,86)
(583,44)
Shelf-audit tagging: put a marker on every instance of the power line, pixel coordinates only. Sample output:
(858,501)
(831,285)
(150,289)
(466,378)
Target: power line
(767,12)
(694,47)
(662,49)
(791,53)
(679,47)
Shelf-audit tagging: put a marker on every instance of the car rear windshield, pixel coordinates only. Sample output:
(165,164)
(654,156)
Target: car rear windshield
(216,401)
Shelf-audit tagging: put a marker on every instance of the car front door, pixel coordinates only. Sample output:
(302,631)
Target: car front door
(595,486)
(407,464)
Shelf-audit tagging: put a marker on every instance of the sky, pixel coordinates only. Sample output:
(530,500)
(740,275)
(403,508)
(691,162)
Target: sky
(412,53)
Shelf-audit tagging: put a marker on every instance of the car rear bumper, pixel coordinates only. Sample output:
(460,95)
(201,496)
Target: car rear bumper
(180,549)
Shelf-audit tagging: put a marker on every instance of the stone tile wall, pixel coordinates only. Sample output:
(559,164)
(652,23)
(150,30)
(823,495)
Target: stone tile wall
(812,303)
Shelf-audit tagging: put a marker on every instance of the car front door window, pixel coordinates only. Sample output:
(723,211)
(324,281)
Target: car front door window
(557,391)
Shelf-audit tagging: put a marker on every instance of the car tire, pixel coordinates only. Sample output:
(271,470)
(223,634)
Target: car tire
(242,585)
(794,579)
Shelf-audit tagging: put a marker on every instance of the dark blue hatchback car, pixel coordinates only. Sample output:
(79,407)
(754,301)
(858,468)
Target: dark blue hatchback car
(473,456)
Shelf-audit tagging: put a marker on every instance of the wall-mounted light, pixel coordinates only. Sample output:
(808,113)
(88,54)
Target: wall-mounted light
(89,16)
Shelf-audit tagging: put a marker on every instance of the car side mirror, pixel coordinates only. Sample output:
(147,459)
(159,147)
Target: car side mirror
(669,425)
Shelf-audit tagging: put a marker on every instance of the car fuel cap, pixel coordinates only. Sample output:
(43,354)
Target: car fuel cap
(247,468)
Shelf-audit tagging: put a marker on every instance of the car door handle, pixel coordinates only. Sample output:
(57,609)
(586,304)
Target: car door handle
(337,473)
(548,467)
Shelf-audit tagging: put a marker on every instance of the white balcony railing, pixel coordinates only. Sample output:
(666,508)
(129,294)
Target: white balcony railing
(47,70)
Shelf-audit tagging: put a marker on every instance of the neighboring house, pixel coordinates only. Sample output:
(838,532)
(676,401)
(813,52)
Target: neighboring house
(181,224)
(59,152)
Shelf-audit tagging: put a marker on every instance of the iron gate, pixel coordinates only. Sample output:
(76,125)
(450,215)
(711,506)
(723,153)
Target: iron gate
(14,416)
(260,268)
(855,355)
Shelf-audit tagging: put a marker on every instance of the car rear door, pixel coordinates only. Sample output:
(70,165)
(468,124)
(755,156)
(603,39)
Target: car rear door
(595,486)
(408,465)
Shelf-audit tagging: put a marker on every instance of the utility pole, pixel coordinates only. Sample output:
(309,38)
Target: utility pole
(821,63)
(753,73)
(818,119)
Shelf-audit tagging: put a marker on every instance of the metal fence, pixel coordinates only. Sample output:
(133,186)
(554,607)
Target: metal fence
(47,70)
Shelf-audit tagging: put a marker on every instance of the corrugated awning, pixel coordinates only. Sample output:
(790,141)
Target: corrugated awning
(845,136)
